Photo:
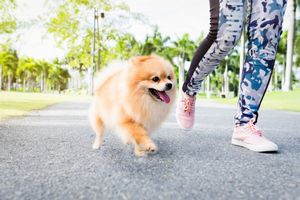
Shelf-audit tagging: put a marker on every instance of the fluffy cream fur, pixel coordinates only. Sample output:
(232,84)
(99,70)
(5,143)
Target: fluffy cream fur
(129,99)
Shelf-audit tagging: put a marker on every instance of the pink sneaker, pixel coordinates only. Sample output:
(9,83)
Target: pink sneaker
(250,137)
(185,111)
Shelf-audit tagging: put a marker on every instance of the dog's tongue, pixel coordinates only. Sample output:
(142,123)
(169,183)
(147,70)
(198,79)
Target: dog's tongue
(163,96)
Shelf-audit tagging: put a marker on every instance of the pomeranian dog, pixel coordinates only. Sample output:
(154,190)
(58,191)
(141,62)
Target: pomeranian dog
(134,98)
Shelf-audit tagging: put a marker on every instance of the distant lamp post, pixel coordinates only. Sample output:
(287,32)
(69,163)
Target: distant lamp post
(99,43)
(102,15)
(93,67)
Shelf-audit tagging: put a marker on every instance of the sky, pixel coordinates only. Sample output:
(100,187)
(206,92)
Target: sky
(33,40)
(172,17)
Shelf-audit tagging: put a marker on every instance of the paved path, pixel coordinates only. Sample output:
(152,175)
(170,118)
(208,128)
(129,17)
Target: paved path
(48,155)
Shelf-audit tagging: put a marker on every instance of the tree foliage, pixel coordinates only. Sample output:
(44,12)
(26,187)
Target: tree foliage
(31,74)
(7,18)
(72,26)
(8,62)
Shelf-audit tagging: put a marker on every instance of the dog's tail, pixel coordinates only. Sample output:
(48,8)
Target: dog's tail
(108,72)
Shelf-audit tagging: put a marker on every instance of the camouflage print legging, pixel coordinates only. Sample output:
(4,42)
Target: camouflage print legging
(226,25)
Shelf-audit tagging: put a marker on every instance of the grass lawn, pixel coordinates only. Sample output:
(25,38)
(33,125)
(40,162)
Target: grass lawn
(279,100)
(17,104)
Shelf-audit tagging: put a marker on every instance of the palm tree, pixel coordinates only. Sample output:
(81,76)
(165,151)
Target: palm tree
(297,44)
(184,50)
(224,79)
(43,70)
(281,59)
(291,11)
(126,46)
(9,62)
(27,71)
(58,78)
(155,43)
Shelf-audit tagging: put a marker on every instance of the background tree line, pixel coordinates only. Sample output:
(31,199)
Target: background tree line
(71,23)
(31,75)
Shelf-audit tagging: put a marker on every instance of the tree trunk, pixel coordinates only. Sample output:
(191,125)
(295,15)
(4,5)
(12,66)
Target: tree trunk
(270,87)
(42,84)
(181,73)
(208,87)
(225,89)
(24,85)
(242,54)
(283,73)
(276,79)
(0,77)
(290,45)
(28,84)
(90,72)
(9,82)
(181,76)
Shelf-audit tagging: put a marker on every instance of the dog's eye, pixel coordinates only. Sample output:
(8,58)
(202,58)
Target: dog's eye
(169,77)
(155,79)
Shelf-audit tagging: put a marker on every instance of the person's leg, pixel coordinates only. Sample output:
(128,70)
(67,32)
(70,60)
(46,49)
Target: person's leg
(223,36)
(207,41)
(264,30)
(226,25)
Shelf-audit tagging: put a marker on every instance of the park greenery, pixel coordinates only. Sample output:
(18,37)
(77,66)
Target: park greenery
(70,24)
(19,103)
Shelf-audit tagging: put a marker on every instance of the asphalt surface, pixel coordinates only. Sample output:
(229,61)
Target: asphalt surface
(48,155)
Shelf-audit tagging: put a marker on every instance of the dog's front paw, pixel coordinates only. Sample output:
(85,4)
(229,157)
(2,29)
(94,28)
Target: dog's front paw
(97,144)
(146,148)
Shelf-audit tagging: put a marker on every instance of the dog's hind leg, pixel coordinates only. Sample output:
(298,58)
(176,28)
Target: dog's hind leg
(98,126)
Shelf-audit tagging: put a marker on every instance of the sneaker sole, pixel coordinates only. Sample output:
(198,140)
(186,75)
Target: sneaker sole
(252,147)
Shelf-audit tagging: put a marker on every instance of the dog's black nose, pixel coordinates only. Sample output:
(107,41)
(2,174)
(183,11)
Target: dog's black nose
(169,86)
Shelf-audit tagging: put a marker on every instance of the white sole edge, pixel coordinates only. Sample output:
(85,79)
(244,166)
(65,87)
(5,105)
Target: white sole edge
(255,148)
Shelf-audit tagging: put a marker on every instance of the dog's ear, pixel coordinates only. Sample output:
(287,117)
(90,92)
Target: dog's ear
(140,59)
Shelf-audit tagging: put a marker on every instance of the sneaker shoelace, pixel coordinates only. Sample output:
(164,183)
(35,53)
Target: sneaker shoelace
(188,105)
(254,129)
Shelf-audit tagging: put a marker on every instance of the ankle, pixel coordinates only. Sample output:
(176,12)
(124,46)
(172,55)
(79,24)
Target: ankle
(184,94)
